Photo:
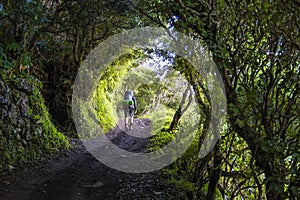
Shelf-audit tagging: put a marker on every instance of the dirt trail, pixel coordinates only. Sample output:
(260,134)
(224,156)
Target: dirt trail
(76,174)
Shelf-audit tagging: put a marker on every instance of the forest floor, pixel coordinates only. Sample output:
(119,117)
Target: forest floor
(77,175)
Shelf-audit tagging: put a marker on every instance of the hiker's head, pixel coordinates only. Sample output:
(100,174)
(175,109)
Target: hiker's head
(130,92)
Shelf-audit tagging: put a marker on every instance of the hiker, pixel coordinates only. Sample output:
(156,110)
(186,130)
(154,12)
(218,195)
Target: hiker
(129,109)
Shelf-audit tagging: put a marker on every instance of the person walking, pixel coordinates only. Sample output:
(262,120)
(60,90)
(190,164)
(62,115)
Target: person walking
(129,109)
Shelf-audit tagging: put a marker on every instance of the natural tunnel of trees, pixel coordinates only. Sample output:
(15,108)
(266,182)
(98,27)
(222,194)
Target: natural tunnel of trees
(253,43)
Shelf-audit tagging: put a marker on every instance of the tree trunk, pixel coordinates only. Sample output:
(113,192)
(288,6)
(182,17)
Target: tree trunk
(274,186)
(175,120)
(215,175)
(179,112)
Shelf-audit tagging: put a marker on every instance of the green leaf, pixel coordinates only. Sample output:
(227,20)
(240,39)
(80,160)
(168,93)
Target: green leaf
(233,109)
(240,123)
(13,47)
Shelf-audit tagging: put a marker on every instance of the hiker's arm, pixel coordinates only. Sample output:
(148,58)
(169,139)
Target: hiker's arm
(134,103)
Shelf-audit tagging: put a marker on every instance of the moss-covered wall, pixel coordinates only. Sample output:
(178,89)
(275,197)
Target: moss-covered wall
(105,100)
(26,130)
(105,94)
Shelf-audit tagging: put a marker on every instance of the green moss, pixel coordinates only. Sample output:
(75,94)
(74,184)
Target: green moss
(105,112)
(101,110)
(25,138)
(183,184)
(104,94)
(50,139)
(161,119)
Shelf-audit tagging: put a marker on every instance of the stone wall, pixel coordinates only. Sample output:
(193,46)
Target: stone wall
(26,130)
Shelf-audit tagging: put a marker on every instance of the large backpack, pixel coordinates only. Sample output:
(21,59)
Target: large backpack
(128,99)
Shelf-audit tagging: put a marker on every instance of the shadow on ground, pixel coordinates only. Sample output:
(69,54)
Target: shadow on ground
(77,175)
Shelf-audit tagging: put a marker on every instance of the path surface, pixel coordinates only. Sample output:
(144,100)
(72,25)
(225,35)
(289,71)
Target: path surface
(77,175)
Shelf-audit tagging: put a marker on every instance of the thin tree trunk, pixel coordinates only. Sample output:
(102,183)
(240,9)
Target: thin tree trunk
(175,120)
(179,112)
(216,173)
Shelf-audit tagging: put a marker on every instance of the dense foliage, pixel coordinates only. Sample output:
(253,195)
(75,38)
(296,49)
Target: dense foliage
(27,131)
(108,94)
(255,45)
